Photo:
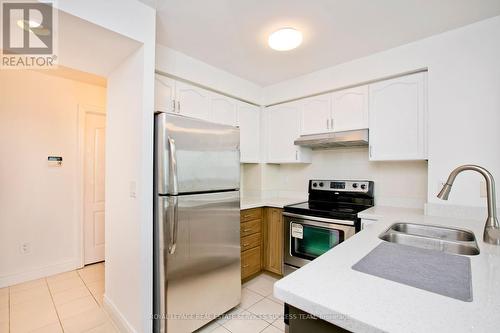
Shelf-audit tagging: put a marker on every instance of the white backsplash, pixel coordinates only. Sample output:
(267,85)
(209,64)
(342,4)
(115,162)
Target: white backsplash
(454,211)
(399,184)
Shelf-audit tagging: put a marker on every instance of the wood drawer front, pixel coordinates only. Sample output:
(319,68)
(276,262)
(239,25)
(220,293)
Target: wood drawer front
(250,227)
(250,262)
(250,214)
(250,241)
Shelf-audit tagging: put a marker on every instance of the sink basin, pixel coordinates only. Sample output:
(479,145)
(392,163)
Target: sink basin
(432,237)
(434,232)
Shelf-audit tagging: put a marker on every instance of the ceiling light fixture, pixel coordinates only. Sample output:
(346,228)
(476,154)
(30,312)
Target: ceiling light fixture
(285,39)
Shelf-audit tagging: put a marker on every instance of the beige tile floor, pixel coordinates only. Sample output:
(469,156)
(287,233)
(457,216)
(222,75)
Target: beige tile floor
(68,302)
(258,311)
(72,302)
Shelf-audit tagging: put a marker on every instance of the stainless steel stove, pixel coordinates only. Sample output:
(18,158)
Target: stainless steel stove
(327,219)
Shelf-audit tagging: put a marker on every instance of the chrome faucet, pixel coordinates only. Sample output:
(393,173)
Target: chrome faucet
(491,233)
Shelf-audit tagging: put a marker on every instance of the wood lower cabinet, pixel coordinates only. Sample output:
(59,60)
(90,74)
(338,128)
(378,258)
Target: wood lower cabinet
(273,240)
(251,242)
(250,262)
(261,241)
(250,227)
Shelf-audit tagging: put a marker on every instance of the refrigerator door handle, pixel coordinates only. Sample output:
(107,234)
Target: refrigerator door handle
(173,221)
(172,168)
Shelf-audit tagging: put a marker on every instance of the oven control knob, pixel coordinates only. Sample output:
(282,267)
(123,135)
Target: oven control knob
(315,184)
(363,186)
(321,184)
(355,185)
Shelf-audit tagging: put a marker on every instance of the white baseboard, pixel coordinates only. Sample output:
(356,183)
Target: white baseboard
(116,316)
(33,274)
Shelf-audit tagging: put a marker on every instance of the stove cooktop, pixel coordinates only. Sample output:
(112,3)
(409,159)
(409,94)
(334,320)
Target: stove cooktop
(336,199)
(326,209)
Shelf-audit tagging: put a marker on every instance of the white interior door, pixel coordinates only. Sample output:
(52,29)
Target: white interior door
(94,162)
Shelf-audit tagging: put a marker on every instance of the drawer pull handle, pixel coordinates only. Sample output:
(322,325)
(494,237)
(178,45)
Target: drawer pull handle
(247,230)
(245,266)
(245,245)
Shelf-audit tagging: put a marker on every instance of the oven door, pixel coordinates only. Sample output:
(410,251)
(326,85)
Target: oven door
(308,237)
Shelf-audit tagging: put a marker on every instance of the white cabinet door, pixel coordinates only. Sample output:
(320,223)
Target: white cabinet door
(398,119)
(164,94)
(316,114)
(283,128)
(249,123)
(223,110)
(350,109)
(192,101)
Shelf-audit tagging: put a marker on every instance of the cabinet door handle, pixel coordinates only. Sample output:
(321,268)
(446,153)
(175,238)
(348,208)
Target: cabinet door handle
(173,105)
(370,151)
(327,123)
(296,155)
(331,123)
(179,106)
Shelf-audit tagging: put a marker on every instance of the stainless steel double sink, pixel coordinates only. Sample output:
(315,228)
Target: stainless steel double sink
(432,237)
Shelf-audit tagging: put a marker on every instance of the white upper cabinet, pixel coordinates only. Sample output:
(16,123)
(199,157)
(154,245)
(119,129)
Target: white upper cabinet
(192,101)
(283,127)
(249,123)
(342,110)
(398,119)
(164,94)
(350,109)
(223,110)
(316,114)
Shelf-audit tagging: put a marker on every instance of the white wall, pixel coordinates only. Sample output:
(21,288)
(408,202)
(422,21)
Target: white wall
(129,219)
(39,204)
(401,184)
(129,159)
(125,266)
(178,64)
(464,98)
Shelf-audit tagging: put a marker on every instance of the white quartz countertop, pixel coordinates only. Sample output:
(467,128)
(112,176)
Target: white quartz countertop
(328,287)
(277,202)
(387,212)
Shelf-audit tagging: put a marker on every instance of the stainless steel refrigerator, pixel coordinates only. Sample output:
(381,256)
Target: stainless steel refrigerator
(197,273)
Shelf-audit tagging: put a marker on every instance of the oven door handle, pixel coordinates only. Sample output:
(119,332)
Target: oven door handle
(319,219)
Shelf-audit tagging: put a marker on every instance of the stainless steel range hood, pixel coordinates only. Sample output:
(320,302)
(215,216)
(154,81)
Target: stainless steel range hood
(356,138)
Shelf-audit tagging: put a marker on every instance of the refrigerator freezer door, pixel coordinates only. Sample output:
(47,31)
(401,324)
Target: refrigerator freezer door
(206,156)
(201,279)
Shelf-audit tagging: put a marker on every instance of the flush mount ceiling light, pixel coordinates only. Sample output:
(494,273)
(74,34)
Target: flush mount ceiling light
(285,39)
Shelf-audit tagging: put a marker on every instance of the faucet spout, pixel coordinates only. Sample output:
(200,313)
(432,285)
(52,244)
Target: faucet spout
(492,227)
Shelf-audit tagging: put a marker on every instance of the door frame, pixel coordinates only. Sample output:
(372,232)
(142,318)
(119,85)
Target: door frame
(83,110)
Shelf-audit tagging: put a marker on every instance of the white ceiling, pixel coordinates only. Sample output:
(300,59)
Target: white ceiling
(232,34)
(90,48)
